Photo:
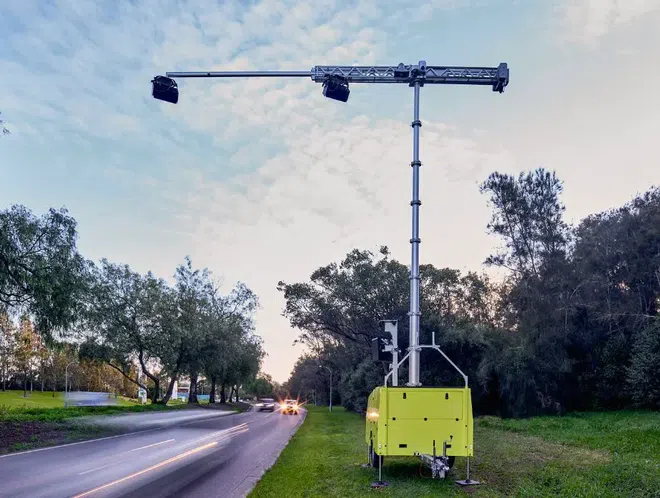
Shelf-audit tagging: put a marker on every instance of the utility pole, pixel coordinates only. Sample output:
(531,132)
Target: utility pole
(335,81)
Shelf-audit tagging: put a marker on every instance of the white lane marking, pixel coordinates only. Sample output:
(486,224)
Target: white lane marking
(148,446)
(98,468)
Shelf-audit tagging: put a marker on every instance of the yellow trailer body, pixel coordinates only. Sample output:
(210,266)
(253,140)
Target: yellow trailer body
(409,421)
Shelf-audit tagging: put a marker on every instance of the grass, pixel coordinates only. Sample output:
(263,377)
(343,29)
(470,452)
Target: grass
(583,455)
(43,407)
(38,399)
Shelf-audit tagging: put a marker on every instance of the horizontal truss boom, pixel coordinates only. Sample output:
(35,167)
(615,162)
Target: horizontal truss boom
(497,77)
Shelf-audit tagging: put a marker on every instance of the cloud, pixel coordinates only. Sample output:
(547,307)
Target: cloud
(588,21)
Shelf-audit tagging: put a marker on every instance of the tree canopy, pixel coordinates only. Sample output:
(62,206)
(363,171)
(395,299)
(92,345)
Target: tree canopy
(572,326)
(136,324)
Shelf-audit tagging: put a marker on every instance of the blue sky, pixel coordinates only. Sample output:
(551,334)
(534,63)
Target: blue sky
(264,181)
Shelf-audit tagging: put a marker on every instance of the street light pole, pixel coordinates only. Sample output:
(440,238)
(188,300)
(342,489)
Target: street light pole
(335,81)
(66,384)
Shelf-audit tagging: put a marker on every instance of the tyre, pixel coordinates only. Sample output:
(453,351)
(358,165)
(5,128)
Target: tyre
(450,461)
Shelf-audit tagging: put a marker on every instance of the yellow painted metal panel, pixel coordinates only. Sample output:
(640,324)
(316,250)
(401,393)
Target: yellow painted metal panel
(405,421)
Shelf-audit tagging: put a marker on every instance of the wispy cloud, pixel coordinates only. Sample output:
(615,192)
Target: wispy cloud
(588,21)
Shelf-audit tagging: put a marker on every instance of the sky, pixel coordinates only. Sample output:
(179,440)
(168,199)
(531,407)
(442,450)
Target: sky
(266,180)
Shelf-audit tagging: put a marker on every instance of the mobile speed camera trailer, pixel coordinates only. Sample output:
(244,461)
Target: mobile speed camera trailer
(434,424)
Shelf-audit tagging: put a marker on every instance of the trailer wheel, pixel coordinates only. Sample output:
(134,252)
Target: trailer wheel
(450,461)
(376,460)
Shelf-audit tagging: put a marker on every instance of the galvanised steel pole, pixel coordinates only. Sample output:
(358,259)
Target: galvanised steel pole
(414,313)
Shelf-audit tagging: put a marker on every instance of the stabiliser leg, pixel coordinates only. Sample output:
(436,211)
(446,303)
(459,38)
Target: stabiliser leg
(467,481)
(380,483)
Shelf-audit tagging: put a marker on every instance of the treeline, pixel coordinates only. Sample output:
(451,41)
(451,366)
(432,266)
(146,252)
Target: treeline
(572,326)
(55,305)
(27,362)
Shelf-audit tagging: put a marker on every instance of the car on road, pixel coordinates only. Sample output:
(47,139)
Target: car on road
(290,407)
(265,404)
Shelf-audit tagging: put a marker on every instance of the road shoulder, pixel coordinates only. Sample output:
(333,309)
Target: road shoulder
(264,464)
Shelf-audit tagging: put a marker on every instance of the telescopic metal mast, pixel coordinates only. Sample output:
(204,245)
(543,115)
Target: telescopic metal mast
(335,81)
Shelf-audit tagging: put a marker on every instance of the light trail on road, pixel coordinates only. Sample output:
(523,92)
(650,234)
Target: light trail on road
(153,467)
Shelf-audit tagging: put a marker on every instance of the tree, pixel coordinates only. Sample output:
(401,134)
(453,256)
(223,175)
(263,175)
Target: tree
(642,374)
(528,215)
(339,312)
(127,312)
(26,351)
(41,272)
(7,346)
(261,386)
(195,291)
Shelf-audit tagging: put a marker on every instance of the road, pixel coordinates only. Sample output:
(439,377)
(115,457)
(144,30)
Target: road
(216,457)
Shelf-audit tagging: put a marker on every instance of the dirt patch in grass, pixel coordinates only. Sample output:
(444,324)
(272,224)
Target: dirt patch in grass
(21,436)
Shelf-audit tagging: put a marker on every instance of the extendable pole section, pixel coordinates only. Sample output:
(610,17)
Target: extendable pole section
(414,313)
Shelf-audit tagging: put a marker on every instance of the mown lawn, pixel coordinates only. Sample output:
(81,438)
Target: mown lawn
(38,399)
(582,455)
(44,407)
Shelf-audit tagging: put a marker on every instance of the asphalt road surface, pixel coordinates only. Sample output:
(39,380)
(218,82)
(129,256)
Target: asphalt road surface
(217,457)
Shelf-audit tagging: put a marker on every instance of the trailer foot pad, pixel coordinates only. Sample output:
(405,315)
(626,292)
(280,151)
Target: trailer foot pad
(468,482)
(379,484)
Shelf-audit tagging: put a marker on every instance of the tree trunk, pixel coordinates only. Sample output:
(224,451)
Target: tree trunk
(173,379)
(236,394)
(192,392)
(154,379)
(212,393)
(156,393)
(231,394)
(25,384)
(223,398)
(170,389)
(41,376)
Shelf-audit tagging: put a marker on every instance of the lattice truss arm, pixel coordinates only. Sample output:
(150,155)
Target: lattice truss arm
(497,77)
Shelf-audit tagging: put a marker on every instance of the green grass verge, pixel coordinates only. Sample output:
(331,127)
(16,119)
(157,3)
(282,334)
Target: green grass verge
(43,407)
(583,455)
